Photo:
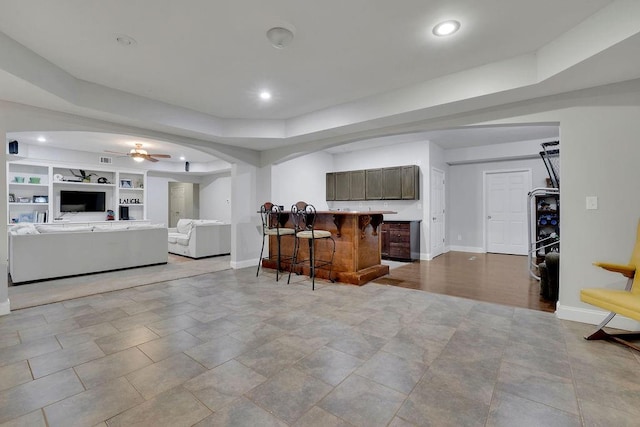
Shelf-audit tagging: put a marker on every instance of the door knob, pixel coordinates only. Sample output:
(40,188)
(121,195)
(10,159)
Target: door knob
(489,217)
(434,218)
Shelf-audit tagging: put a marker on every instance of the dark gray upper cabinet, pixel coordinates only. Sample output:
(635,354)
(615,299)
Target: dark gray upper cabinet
(392,183)
(410,182)
(331,186)
(373,178)
(357,185)
(342,186)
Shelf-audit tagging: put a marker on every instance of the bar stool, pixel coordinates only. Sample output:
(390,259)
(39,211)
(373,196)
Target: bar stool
(273,225)
(303,216)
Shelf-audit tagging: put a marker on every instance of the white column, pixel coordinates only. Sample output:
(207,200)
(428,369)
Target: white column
(245,221)
(5,307)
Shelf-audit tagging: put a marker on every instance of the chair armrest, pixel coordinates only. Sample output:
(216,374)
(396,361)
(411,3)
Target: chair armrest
(624,269)
(172,230)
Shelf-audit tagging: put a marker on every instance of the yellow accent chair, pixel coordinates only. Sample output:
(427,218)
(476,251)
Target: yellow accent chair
(624,302)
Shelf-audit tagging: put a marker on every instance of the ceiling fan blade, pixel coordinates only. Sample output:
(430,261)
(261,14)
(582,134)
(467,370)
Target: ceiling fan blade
(162,156)
(151,159)
(116,152)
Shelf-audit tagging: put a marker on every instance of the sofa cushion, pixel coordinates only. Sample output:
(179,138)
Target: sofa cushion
(184,226)
(110,227)
(64,229)
(180,238)
(183,240)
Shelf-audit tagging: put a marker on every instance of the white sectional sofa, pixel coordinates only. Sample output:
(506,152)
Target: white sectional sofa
(197,238)
(47,251)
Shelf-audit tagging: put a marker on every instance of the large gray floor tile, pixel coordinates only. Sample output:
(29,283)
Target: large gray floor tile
(223,384)
(329,365)
(123,340)
(36,394)
(93,406)
(392,371)
(112,366)
(18,352)
(64,358)
(510,410)
(154,379)
(363,402)
(270,358)
(173,408)
(218,351)
(14,374)
(242,412)
(169,345)
(289,394)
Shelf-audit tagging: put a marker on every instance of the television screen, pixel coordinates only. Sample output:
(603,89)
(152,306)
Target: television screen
(82,201)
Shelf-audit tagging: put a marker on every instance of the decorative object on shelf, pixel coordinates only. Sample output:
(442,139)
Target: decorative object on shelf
(26,217)
(12,198)
(34,180)
(24,199)
(40,199)
(139,184)
(19,179)
(103,180)
(110,215)
(84,176)
(129,202)
(125,183)
(58,177)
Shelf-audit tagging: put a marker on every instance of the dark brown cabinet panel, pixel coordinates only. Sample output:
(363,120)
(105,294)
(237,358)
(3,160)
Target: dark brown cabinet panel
(331,186)
(357,185)
(395,183)
(400,240)
(342,186)
(410,182)
(373,179)
(392,183)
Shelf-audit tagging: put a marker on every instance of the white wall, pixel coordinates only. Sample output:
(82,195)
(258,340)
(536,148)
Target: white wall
(215,197)
(465,210)
(299,179)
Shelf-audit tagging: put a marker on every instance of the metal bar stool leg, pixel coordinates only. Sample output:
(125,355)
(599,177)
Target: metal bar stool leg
(294,258)
(260,259)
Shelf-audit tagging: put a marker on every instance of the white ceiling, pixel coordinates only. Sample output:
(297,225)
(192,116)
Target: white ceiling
(354,67)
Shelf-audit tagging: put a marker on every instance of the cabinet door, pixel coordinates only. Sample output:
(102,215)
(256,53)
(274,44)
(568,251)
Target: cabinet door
(342,186)
(373,178)
(410,182)
(392,183)
(331,186)
(357,183)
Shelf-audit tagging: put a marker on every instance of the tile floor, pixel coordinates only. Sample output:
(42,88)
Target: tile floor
(228,348)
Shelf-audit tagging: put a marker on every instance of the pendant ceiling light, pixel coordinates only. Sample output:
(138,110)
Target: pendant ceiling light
(280,37)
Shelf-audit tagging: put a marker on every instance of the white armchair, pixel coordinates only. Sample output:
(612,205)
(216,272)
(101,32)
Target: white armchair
(197,238)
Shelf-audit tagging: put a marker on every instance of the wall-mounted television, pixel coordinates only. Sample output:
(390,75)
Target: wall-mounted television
(82,201)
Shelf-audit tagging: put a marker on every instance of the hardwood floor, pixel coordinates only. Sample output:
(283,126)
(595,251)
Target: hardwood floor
(501,279)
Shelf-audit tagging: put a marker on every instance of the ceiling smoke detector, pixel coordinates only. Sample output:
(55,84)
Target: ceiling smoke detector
(280,37)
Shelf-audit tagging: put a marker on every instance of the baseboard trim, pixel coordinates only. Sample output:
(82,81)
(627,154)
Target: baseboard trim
(471,249)
(594,317)
(236,265)
(5,307)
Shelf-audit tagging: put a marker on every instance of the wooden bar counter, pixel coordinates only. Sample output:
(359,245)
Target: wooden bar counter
(357,235)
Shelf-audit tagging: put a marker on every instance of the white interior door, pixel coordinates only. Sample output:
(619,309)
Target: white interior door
(437,212)
(506,211)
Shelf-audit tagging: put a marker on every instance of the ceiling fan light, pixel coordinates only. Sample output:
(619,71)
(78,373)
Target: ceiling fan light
(138,159)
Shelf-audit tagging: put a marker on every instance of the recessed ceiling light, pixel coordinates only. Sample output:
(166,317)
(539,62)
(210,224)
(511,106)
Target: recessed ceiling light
(446,28)
(182,158)
(124,40)
(265,95)
(42,139)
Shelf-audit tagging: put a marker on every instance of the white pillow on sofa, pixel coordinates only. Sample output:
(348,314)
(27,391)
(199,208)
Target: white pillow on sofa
(24,228)
(184,226)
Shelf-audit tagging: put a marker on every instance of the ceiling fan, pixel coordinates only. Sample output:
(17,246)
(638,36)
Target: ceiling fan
(139,155)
